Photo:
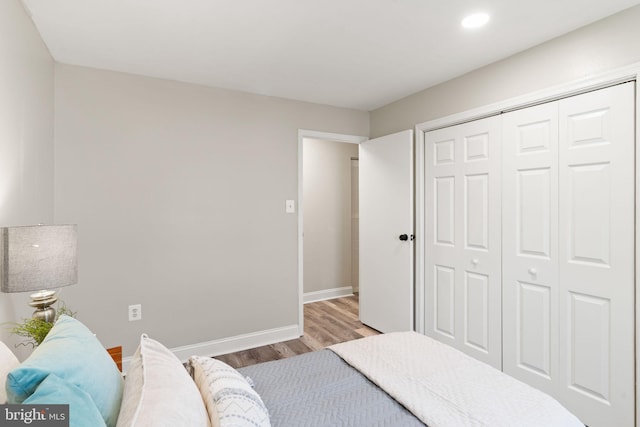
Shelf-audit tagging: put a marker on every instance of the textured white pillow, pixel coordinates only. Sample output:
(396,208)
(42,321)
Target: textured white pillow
(158,391)
(230,399)
(8,361)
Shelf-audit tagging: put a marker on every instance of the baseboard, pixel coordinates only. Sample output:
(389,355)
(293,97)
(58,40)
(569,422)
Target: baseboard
(327,294)
(230,344)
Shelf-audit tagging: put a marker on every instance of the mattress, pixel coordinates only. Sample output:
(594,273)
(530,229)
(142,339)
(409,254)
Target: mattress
(444,387)
(320,389)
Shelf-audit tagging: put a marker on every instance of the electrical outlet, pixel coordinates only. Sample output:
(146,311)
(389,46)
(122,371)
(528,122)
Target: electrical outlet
(135,312)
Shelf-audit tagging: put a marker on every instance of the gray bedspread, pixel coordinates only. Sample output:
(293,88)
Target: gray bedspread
(320,389)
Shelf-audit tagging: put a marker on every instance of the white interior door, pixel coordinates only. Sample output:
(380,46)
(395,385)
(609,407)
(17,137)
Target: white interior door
(386,214)
(568,252)
(596,173)
(530,245)
(462,247)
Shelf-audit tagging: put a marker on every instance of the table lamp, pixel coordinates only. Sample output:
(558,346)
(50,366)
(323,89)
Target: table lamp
(38,258)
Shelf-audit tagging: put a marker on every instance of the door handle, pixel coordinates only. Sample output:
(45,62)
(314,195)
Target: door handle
(403,237)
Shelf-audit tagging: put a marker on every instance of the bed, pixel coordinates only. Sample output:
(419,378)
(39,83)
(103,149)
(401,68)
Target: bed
(401,379)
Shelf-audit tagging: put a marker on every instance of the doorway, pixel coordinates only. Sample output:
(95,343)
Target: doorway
(327,223)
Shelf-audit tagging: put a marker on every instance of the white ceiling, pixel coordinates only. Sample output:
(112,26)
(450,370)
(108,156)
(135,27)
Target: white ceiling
(359,54)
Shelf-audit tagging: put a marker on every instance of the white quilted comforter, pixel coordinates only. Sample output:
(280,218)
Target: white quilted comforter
(443,387)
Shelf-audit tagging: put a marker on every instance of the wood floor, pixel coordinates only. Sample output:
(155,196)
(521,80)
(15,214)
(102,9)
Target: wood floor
(325,323)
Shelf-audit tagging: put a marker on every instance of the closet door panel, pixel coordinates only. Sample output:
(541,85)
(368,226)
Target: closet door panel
(590,323)
(589,213)
(480,286)
(477,315)
(442,158)
(462,248)
(444,301)
(530,267)
(444,210)
(476,211)
(533,212)
(596,161)
(533,322)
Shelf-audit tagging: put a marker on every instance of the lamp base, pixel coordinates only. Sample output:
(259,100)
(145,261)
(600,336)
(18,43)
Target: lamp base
(42,302)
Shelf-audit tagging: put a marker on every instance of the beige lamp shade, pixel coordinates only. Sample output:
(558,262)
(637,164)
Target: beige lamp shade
(39,257)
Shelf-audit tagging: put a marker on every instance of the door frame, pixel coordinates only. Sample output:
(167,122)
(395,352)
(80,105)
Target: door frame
(575,87)
(326,136)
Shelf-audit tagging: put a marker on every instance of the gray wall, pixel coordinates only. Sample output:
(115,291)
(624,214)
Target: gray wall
(26,136)
(327,214)
(606,44)
(179,195)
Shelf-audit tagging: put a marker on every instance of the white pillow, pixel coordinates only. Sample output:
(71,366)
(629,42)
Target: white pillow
(158,391)
(230,399)
(8,362)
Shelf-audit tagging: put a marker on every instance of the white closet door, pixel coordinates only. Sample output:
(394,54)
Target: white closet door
(597,255)
(530,245)
(462,248)
(568,252)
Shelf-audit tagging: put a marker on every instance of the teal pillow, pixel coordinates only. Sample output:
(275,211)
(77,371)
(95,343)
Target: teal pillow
(55,390)
(74,354)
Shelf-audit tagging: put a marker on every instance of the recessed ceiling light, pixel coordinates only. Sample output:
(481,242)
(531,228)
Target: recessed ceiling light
(476,20)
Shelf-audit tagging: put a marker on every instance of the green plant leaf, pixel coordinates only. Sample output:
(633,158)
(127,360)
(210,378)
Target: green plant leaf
(35,330)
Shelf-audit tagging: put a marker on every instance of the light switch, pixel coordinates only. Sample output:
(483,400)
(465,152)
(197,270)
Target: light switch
(290,206)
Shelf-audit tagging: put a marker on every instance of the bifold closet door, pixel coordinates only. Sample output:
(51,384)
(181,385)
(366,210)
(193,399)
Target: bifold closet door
(530,245)
(596,174)
(568,252)
(462,247)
